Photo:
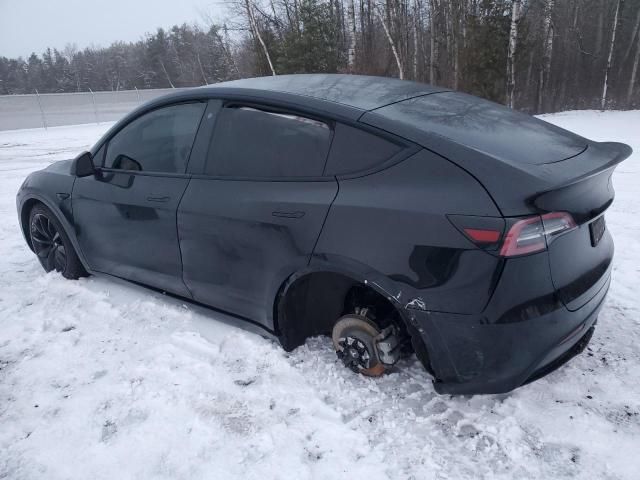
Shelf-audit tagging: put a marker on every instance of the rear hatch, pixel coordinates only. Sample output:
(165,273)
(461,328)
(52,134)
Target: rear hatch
(580,259)
(529,167)
(515,156)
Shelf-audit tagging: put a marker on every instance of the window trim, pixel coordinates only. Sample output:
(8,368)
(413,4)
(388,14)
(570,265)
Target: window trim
(274,109)
(289,116)
(154,173)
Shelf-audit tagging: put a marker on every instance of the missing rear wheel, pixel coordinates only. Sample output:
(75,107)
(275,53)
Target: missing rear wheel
(354,338)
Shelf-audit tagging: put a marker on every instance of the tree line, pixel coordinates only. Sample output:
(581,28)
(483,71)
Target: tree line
(182,56)
(534,55)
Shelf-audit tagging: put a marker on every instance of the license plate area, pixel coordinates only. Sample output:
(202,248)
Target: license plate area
(596,229)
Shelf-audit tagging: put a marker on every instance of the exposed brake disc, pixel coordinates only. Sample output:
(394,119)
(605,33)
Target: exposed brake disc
(354,338)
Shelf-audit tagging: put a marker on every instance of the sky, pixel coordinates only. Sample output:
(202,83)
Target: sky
(33,25)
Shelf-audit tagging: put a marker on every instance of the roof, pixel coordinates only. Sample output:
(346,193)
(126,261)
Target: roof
(357,91)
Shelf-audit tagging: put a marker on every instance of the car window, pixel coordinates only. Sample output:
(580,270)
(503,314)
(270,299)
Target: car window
(159,141)
(249,142)
(354,150)
(98,158)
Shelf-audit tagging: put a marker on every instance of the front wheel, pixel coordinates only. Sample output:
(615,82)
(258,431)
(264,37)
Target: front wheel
(52,245)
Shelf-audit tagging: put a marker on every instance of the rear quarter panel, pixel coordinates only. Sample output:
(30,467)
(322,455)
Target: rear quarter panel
(395,223)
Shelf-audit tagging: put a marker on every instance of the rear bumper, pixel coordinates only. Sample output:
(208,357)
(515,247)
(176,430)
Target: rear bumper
(470,355)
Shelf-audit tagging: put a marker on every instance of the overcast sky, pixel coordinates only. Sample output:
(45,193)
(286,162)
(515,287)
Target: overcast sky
(33,25)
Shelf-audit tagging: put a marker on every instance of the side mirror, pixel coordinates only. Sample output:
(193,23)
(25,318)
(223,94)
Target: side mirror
(83,165)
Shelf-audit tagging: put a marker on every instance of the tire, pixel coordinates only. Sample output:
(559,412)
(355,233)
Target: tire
(52,245)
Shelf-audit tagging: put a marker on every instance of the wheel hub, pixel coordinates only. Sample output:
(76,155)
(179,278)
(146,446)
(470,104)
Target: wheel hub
(354,340)
(354,354)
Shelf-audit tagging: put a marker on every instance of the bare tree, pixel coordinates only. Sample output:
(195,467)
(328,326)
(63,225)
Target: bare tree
(636,25)
(511,54)
(454,15)
(605,85)
(432,41)
(547,38)
(204,77)
(164,69)
(351,22)
(391,42)
(225,48)
(212,26)
(254,28)
(415,33)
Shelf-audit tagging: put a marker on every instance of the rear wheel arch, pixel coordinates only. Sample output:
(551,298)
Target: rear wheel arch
(310,303)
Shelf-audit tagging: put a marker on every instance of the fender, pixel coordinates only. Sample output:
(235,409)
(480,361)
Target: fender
(401,296)
(27,195)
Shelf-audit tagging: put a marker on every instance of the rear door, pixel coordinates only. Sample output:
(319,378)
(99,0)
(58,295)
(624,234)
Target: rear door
(125,215)
(252,215)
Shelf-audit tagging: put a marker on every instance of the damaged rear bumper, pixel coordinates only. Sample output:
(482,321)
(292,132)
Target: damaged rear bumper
(469,355)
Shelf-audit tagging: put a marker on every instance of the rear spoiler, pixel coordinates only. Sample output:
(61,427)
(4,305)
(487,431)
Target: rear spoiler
(584,182)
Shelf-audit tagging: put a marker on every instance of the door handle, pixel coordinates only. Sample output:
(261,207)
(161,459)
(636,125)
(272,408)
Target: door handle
(296,214)
(158,199)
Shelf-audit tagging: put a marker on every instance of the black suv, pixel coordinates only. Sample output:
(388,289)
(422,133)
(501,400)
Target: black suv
(392,215)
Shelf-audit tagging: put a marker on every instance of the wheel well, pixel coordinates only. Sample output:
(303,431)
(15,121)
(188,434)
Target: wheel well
(24,218)
(312,304)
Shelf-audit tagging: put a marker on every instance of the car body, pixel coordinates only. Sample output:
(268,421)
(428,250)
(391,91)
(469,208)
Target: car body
(292,201)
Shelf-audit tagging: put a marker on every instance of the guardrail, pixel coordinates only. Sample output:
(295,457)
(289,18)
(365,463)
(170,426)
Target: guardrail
(57,109)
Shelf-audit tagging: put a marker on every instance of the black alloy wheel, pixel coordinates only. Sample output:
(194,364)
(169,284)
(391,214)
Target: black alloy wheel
(52,245)
(47,243)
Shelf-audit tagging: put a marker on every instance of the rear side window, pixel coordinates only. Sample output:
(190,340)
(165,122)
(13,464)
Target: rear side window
(159,141)
(354,150)
(249,142)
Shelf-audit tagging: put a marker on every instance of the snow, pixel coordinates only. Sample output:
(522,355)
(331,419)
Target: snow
(104,379)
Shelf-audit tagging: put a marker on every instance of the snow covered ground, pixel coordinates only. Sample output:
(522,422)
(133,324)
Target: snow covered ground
(102,379)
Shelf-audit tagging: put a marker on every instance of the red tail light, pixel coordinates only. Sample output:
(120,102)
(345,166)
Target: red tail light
(483,236)
(532,234)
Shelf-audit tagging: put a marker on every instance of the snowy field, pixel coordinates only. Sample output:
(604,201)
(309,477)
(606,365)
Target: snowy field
(100,379)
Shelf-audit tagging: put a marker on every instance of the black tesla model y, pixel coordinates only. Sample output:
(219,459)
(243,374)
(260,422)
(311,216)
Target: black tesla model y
(392,216)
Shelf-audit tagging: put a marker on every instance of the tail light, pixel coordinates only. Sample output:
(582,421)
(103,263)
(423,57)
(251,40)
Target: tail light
(485,232)
(483,236)
(532,234)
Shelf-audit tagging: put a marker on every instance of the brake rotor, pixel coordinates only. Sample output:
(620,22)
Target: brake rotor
(354,340)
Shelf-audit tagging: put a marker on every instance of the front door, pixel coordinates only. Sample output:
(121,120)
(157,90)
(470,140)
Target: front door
(125,216)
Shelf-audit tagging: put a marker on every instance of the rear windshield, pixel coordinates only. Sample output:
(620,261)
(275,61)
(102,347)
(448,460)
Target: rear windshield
(487,127)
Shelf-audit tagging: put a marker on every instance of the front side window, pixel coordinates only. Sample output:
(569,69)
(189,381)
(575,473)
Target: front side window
(249,142)
(159,141)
